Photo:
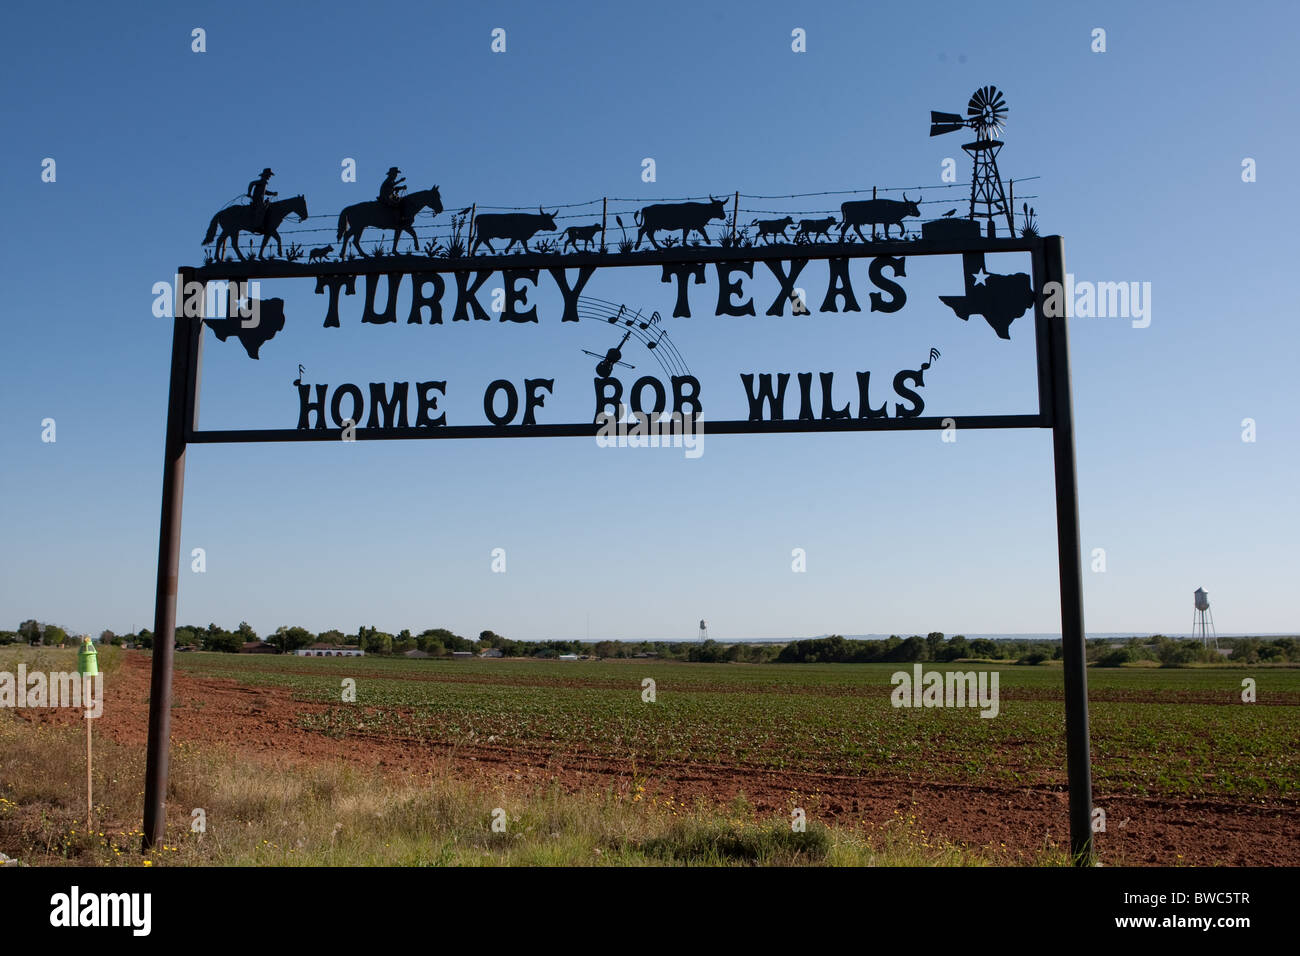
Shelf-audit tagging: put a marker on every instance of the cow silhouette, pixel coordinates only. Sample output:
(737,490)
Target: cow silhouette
(514,226)
(885,212)
(687,216)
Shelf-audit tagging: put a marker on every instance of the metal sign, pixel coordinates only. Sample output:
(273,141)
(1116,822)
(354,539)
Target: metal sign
(708,262)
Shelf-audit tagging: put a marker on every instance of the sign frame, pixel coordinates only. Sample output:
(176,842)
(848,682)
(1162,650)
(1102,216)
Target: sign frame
(1055,412)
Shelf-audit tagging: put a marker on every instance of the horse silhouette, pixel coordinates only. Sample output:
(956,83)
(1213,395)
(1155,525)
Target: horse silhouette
(236,219)
(355,219)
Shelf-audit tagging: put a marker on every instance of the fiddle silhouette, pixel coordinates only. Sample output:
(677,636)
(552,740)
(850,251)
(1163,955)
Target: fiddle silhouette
(614,356)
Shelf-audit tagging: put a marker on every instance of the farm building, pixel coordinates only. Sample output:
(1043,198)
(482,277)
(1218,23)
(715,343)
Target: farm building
(568,657)
(492,652)
(329,650)
(462,654)
(258,647)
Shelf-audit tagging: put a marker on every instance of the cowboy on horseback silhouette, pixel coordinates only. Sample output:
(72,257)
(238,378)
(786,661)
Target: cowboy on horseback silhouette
(257,193)
(391,189)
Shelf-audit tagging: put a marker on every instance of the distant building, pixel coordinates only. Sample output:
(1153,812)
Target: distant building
(258,647)
(329,650)
(492,652)
(568,657)
(462,653)
(416,652)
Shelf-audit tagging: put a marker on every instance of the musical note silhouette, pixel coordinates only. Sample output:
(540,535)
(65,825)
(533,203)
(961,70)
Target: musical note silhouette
(614,320)
(298,380)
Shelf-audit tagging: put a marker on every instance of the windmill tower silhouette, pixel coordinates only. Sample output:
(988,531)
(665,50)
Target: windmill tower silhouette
(986,114)
(704,630)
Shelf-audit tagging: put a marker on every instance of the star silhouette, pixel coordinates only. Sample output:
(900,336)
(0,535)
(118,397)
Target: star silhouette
(980,276)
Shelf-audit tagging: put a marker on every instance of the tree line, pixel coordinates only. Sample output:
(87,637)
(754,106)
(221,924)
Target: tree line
(935,647)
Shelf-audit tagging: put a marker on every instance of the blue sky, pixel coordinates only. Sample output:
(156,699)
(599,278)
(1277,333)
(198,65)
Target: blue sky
(1139,150)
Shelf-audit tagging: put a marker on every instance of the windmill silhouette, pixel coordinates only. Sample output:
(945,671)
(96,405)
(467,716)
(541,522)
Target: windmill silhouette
(986,114)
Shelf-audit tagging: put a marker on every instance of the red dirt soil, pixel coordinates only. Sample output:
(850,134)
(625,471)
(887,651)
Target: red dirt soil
(1007,822)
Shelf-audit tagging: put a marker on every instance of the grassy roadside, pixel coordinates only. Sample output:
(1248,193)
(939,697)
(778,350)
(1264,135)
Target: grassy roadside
(338,815)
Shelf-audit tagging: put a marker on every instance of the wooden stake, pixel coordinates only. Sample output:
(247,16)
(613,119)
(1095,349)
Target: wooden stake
(90,799)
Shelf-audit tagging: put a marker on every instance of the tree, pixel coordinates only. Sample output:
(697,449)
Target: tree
(216,639)
(375,642)
(912,649)
(55,635)
(144,639)
(289,639)
(933,644)
(954,649)
(1178,653)
(708,652)
(332,636)
(1247,650)
(438,640)
(246,632)
(30,631)
(1120,655)
(108,637)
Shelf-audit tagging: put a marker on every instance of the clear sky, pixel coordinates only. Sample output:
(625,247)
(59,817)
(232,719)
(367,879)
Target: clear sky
(1139,149)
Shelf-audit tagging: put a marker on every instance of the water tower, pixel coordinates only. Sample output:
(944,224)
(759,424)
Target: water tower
(1203,619)
(704,630)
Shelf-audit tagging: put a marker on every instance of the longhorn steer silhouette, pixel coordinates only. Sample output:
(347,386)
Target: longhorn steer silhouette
(885,212)
(686,216)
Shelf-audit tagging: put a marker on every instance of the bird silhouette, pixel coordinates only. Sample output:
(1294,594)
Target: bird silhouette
(950,212)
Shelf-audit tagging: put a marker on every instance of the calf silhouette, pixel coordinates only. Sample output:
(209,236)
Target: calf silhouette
(772,227)
(320,253)
(810,229)
(584,234)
